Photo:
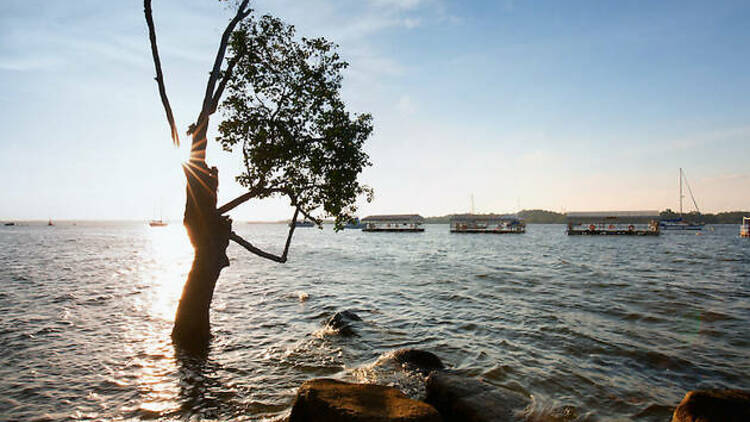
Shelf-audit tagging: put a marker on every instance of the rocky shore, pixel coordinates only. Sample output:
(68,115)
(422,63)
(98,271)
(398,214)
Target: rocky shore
(452,397)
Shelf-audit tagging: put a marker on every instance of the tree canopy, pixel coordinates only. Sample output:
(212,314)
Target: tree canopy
(284,110)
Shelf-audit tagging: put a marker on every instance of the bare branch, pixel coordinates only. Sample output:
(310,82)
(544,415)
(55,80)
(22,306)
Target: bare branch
(309,217)
(208,99)
(234,203)
(159,76)
(303,212)
(222,84)
(260,252)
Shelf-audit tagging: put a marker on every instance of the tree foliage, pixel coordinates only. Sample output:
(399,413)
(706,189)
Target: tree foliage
(284,110)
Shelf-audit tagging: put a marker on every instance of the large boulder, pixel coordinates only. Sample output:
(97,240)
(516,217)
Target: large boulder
(714,406)
(342,322)
(337,401)
(418,360)
(465,399)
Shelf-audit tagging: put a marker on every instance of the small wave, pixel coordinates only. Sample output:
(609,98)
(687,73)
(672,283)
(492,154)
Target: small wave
(300,295)
(386,370)
(543,410)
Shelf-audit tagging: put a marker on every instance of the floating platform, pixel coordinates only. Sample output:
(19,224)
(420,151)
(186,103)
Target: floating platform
(613,223)
(487,223)
(490,231)
(377,229)
(404,223)
(612,233)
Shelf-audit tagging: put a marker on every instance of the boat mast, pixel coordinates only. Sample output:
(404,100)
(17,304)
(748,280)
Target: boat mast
(690,191)
(681,192)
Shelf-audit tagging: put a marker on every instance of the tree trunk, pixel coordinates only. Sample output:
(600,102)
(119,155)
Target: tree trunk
(209,233)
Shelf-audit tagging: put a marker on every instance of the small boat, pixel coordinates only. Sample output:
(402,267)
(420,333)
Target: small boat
(157,223)
(679,223)
(304,223)
(745,227)
(50,223)
(355,224)
(10,224)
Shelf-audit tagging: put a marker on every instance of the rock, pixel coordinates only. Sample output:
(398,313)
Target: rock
(336,401)
(466,399)
(342,321)
(418,360)
(713,405)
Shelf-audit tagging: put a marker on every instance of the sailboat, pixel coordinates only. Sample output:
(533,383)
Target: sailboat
(160,222)
(680,223)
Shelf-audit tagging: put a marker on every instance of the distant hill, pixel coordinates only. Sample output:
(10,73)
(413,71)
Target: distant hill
(530,216)
(542,217)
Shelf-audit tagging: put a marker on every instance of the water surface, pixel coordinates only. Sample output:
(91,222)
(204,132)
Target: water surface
(594,328)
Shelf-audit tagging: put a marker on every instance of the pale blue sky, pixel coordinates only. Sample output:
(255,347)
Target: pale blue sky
(557,105)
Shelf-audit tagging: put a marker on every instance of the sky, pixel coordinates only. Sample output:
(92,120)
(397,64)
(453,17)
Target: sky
(576,105)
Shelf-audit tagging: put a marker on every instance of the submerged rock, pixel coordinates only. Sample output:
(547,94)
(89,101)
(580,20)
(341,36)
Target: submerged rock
(713,405)
(337,401)
(466,399)
(342,322)
(418,360)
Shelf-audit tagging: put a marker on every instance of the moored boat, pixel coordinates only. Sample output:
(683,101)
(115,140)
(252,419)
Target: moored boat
(497,224)
(745,227)
(619,223)
(680,223)
(354,224)
(304,223)
(157,223)
(393,223)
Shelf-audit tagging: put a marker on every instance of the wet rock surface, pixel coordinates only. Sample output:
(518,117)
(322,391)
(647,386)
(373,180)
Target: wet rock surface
(418,360)
(343,322)
(713,406)
(337,401)
(466,399)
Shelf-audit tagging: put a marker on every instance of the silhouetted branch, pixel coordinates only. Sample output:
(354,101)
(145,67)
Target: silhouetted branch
(223,84)
(235,202)
(260,252)
(210,97)
(159,76)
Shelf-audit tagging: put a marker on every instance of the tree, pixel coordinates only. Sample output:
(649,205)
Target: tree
(285,111)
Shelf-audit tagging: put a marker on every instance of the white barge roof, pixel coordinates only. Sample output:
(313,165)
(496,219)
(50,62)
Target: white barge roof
(484,217)
(394,217)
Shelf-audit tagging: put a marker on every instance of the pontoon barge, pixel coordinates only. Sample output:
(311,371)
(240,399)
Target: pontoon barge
(620,223)
(498,224)
(393,223)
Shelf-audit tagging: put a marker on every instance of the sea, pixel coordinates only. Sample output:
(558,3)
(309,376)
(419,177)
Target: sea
(588,328)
